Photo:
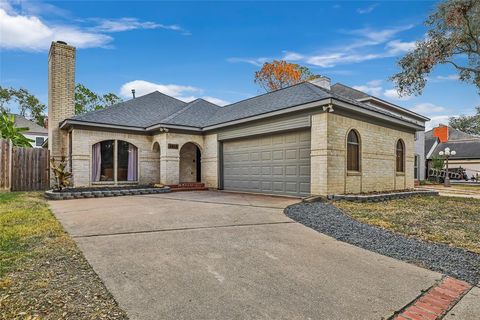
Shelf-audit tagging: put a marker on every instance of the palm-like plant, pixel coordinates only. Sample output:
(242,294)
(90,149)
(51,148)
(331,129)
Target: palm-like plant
(10,132)
(62,177)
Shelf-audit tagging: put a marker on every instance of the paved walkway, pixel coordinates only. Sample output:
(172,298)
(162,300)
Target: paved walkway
(454,191)
(216,255)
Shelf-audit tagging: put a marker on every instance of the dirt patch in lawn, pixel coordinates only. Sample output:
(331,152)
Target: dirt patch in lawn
(448,220)
(43,275)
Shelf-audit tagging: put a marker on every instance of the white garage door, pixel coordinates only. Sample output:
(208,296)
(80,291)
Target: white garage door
(274,164)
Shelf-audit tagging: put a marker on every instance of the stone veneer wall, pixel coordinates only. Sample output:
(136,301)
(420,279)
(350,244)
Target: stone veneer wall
(83,140)
(377,156)
(153,166)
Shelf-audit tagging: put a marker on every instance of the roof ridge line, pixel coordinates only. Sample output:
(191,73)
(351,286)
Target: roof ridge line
(263,94)
(175,114)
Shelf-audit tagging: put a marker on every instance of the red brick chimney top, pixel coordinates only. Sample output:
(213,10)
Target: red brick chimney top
(441,132)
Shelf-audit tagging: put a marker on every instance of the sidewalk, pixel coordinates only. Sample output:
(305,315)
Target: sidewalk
(453,191)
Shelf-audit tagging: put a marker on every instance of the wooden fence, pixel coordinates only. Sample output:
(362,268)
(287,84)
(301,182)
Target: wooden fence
(23,169)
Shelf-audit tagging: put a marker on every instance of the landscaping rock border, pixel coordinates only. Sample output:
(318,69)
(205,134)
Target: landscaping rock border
(329,220)
(65,195)
(380,197)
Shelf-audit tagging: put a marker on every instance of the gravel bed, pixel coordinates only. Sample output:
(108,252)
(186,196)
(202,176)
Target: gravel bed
(327,219)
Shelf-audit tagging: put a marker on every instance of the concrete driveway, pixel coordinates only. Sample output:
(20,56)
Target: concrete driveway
(218,255)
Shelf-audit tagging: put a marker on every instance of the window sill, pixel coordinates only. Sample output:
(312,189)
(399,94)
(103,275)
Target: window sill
(400,173)
(354,173)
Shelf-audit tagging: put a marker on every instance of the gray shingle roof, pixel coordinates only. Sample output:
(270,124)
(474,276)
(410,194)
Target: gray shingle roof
(272,101)
(195,114)
(348,92)
(141,112)
(157,108)
(465,149)
(22,122)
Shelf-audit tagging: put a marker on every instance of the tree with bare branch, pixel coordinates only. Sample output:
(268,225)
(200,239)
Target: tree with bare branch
(453,38)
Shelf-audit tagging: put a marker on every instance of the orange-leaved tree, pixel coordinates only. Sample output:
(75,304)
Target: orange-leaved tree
(279,74)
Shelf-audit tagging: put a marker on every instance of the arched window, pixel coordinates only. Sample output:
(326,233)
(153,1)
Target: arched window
(110,154)
(353,151)
(400,158)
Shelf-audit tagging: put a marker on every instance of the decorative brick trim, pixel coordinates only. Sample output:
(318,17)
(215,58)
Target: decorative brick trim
(436,302)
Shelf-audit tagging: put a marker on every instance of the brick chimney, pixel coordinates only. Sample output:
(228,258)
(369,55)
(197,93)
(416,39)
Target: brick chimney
(61,95)
(322,82)
(441,132)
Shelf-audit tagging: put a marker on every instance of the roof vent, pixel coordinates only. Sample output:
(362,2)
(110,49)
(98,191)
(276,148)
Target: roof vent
(61,42)
(322,82)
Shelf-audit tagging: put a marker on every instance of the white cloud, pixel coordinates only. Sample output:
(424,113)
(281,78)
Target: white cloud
(253,61)
(373,87)
(143,87)
(368,9)
(446,78)
(427,108)
(396,47)
(393,94)
(30,33)
(436,120)
(368,44)
(22,27)
(181,92)
(126,24)
(216,101)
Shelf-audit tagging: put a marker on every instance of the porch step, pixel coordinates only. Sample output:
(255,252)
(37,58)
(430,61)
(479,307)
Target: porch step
(190,186)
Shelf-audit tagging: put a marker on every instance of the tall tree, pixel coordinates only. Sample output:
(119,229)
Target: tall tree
(280,74)
(28,105)
(453,38)
(86,100)
(467,124)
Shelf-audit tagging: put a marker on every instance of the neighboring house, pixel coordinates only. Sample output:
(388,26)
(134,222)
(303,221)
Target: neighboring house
(466,146)
(310,138)
(35,132)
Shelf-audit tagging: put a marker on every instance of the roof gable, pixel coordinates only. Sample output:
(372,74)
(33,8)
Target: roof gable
(157,109)
(22,122)
(143,111)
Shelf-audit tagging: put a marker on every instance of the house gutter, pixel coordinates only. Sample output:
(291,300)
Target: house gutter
(419,116)
(328,101)
(270,114)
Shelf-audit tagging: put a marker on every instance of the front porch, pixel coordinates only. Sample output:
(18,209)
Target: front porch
(100,158)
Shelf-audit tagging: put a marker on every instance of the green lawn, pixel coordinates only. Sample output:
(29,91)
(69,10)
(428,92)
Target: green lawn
(43,275)
(450,220)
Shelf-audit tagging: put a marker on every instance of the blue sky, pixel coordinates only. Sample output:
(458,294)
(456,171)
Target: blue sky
(212,49)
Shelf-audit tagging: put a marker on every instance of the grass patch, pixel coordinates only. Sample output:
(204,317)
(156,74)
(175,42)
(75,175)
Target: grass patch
(449,220)
(43,275)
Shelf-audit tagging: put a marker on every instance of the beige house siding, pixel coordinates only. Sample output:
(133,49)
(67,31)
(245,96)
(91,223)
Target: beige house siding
(328,156)
(83,140)
(153,166)
(377,156)
(210,161)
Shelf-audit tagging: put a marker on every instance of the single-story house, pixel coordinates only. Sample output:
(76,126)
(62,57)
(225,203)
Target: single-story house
(312,138)
(466,146)
(36,133)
